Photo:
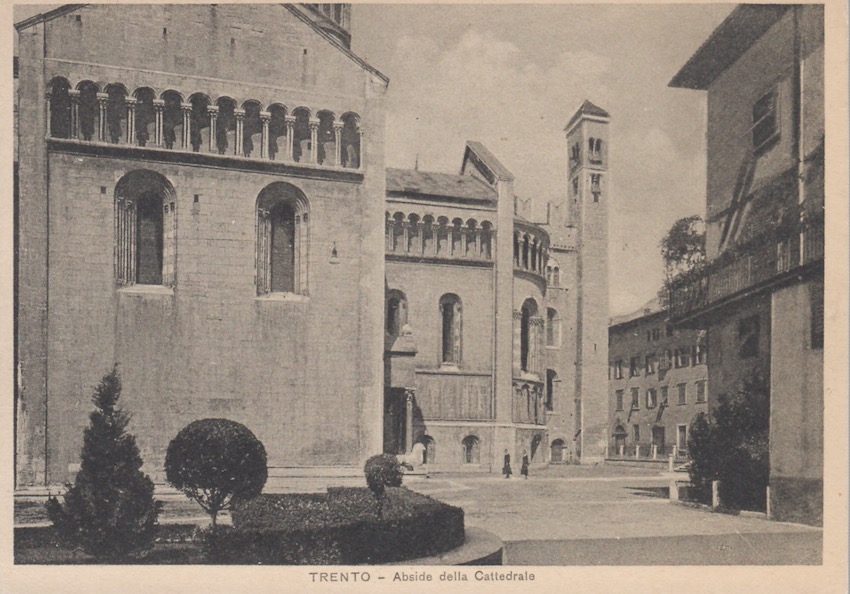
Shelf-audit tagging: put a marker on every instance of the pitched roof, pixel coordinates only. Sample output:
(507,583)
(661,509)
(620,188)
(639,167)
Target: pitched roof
(729,41)
(650,309)
(411,181)
(590,109)
(66,8)
(482,154)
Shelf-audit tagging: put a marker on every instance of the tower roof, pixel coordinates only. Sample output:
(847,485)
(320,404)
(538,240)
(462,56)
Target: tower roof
(587,108)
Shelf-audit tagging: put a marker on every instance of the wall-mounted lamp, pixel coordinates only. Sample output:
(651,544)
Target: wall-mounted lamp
(334,255)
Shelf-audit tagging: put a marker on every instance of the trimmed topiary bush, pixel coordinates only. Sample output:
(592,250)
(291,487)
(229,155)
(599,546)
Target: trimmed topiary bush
(340,528)
(110,511)
(217,462)
(382,471)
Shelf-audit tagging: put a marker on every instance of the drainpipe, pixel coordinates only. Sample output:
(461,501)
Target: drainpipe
(797,124)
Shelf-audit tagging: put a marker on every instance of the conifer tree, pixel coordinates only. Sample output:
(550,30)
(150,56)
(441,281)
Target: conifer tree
(110,511)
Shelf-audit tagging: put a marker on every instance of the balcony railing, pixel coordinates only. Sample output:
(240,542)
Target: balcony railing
(748,267)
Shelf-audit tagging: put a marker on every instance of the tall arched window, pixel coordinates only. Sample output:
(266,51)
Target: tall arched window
(553,328)
(87,110)
(145,229)
(60,108)
(225,126)
(350,138)
(471,450)
(282,240)
(527,335)
(116,113)
(199,128)
(450,315)
(396,312)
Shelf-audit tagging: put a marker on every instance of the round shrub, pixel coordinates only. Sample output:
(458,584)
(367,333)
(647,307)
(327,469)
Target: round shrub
(382,471)
(217,462)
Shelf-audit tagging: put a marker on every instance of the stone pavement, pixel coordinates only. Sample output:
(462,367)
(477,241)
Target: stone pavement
(572,515)
(577,516)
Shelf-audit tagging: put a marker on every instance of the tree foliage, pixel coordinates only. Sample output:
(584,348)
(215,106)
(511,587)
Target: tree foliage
(382,471)
(217,462)
(732,446)
(110,511)
(683,251)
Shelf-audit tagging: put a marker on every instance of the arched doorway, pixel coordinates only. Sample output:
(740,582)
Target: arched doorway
(620,440)
(471,450)
(557,451)
(430,455)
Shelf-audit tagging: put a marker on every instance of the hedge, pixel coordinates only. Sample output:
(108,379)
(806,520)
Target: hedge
(340,528)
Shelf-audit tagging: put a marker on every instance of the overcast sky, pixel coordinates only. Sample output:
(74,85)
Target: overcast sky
(511,76)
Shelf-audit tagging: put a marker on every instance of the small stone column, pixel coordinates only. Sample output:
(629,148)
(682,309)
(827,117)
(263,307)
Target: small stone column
(420,230)
(131,119)
(435,235)
(314,140)
(212,110)
(338,143)
(289,120)
(265,118)
(102,100)
(186,141)
(405,236)
(239,149)
(408,420)
(49,114)
(464,248)
(75,113)
(159,106)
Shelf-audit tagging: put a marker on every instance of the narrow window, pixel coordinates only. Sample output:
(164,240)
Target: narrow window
(619,402)
(551,376)
(396,313)
(635,398)
(145,230)
(765,123)
(450,313)
(701,391)
(636,432)
(664,396)
(282,240)
(527,335)
(553,334)
(683,393)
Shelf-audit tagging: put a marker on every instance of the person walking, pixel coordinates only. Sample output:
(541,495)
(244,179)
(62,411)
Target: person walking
(524,468)
(506,468)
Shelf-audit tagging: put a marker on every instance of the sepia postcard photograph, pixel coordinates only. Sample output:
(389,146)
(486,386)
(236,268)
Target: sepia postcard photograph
(414,297)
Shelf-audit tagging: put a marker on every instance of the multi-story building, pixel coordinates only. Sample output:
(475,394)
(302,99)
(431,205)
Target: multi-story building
(201,198)
(761,296)
(657,384)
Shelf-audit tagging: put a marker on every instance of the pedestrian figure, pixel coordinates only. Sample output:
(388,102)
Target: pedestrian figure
(506,469)
(524,468)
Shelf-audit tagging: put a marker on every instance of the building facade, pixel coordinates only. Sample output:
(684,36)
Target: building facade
(201,199)
(761,296)
(657,384)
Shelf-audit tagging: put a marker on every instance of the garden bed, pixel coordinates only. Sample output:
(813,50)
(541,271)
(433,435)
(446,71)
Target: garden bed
(340,528)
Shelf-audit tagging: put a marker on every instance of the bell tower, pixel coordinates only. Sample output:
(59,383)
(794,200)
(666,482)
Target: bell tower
(588,199)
